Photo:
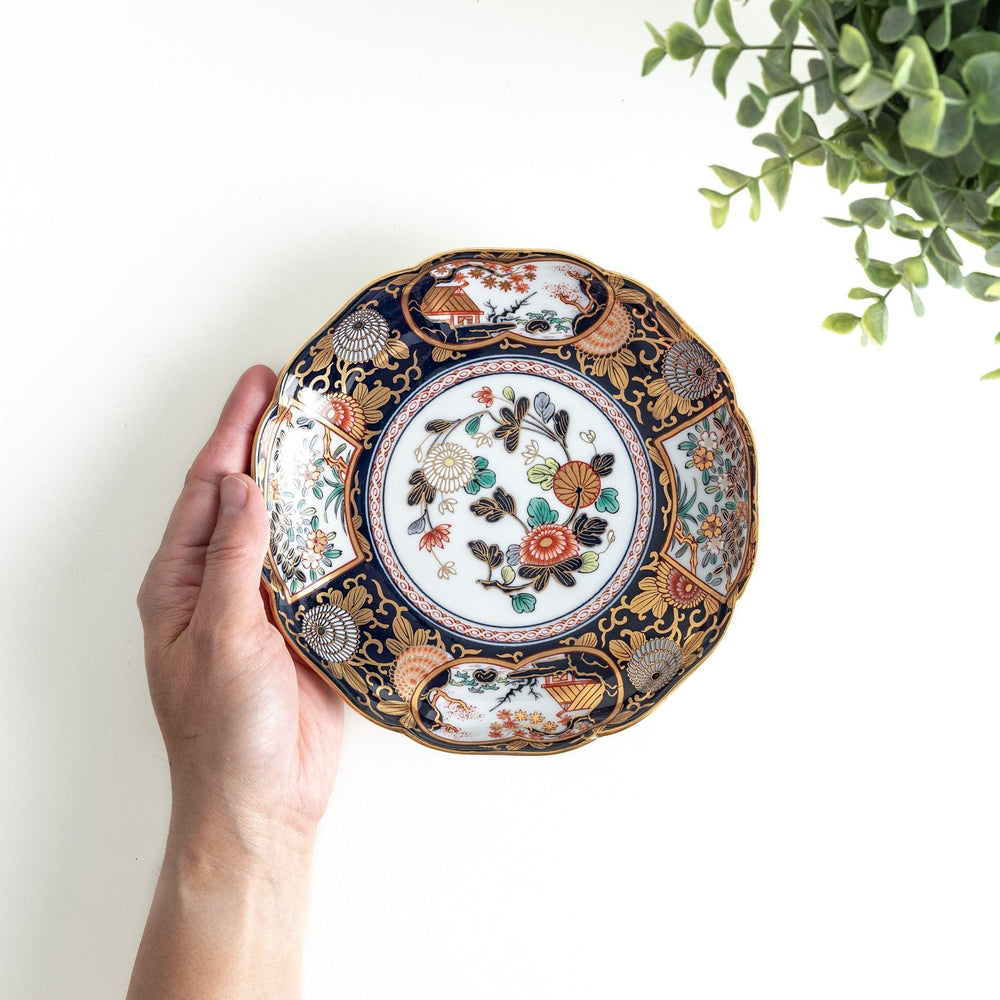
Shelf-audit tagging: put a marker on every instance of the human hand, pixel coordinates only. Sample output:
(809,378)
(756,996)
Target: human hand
(252,736)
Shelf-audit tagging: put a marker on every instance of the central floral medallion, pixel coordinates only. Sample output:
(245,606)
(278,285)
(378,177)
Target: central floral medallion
(524,484)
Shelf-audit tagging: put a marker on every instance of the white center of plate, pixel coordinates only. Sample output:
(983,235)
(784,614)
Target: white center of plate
(510,500)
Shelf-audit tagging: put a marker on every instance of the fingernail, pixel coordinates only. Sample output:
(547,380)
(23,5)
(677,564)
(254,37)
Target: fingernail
(232,495)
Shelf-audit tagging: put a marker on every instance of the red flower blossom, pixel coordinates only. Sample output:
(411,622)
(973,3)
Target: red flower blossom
(485,396)
(436,537)
(546,544)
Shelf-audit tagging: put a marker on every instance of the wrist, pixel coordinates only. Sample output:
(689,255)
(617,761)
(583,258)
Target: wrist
(224,840)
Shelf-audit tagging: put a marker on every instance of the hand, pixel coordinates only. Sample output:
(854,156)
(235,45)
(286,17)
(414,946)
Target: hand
(252,736)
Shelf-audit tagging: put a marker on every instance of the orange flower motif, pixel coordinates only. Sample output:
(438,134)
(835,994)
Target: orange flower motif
(611,336)
(435,538)
(703,459)
(547,544)
(484,396)
(317,541)
(669,588)
(711,527)
(345,412)
(414,665)
(576,485)
(681,592)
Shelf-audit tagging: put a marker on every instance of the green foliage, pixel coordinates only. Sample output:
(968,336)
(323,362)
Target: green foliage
(917,86)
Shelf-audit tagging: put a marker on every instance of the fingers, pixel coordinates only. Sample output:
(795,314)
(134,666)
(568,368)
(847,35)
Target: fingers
(229,604)
(170,590)
(227,450)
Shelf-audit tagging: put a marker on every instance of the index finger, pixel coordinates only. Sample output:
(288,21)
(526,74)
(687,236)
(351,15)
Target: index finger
(228,450)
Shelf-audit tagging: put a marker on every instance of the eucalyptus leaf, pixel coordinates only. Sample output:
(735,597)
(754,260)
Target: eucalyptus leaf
(983,286)
(731,178)
(721,68)
(724,18)
(895,24)
(790,120)
(914,91)
(653,59)
(841,322)
(982,78)
(875,321)
(853,48)
(684,42)
(921,125)
(777,177)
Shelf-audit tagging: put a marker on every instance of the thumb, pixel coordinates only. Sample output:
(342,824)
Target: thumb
(230,588)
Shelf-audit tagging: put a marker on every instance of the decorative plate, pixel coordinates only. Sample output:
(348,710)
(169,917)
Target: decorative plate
(512,501)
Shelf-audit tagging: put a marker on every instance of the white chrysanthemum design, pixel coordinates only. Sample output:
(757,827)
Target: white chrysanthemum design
(448,466)
(654,664)
(360,336)
(689,370)
(331,632)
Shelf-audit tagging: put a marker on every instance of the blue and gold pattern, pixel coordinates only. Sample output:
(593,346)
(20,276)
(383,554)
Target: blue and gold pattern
(512,501)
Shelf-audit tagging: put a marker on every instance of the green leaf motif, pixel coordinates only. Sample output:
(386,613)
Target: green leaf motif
(507,575)
(990,375)
(523,603)
(590,562)
(539,512)
(542,475)
(473,425)
(607,500)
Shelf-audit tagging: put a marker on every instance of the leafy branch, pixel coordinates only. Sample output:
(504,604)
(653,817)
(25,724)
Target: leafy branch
(918,85)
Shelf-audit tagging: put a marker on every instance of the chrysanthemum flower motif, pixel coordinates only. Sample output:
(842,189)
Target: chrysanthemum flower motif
(576,485)
(547,544)
(667,588)
(689,370)
(415,664)
(654,664)
(611,336)
(360,336)
(448,466)
(680,590)
(343,411)
(331,632)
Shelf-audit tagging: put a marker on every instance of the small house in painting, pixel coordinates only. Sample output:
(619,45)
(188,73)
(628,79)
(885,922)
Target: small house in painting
(450,304)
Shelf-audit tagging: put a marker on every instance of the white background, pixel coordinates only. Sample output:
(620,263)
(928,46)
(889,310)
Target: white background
(192,188)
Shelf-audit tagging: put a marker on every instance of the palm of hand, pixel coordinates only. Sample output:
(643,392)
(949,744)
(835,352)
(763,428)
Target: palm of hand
(247,728)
